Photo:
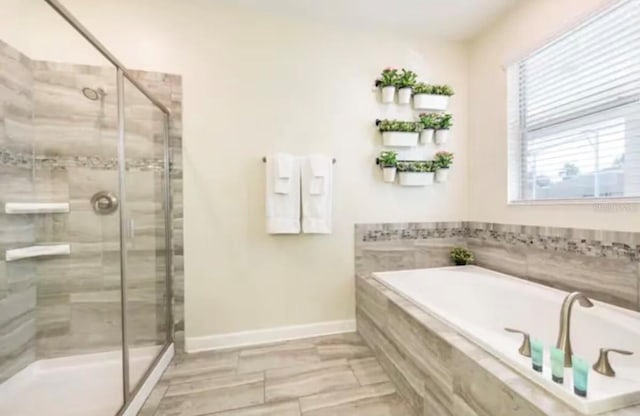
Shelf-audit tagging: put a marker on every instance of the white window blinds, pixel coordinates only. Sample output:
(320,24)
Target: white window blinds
(574,112)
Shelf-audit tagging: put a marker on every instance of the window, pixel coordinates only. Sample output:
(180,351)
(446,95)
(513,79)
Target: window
(574,113)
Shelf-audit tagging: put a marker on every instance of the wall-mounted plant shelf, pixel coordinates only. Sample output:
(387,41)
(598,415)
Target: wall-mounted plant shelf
(396,133)
(417,177)
(430,102)
(399,139)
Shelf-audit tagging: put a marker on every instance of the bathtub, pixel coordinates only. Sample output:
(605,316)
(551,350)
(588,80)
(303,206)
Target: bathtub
(480,303)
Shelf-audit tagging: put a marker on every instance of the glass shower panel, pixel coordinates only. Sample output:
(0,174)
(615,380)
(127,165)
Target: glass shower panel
(146,256)
(60,285)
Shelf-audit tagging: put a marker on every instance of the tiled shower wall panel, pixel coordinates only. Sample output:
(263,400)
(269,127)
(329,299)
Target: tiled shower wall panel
(17,279)
(605,265)
(58,146)
(79,308)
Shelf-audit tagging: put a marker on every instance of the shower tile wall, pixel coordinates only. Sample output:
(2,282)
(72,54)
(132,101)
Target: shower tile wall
(17,279)
(58,145)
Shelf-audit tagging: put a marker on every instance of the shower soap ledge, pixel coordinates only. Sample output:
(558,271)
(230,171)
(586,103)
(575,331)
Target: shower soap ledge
(38,251)
(36,207)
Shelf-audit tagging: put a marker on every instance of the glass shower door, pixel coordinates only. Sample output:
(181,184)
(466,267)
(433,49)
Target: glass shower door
(60,281)
(146,271)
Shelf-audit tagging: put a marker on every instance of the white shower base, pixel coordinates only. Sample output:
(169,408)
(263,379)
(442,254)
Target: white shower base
(82,385)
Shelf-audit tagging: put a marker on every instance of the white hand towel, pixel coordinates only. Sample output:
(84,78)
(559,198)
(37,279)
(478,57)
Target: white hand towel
(317,206)
(319,171)
(283,165)
(282,208)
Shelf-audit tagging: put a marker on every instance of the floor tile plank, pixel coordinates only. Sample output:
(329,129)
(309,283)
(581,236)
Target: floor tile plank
(292,382)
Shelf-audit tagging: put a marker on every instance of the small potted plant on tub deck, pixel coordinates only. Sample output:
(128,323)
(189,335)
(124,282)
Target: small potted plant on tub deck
(461,256)
(416,173)
(428,121)
(399,133)
(431,97)
(387,83)
(443,124)
(406,81)
(443,161)
(388,162)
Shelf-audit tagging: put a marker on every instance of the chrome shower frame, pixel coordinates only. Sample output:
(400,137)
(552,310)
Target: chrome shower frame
(123,73)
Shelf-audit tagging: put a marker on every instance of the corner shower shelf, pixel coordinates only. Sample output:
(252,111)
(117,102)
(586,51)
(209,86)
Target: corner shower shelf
(38,251)
(36,207)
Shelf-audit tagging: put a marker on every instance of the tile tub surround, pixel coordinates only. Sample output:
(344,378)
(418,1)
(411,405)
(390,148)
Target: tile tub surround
(55,145)
(325,376)
(401,246)
(605,265)
(439,372)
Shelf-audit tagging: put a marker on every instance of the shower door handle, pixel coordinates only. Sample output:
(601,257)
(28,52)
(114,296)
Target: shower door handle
(132,230)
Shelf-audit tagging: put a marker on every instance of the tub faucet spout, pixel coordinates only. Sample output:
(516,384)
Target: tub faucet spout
(564,335)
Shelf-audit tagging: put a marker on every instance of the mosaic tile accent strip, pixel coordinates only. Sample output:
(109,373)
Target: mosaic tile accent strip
(22,160)
(594,243)
(410,231)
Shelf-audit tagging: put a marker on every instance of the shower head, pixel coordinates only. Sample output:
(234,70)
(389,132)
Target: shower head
(93,94)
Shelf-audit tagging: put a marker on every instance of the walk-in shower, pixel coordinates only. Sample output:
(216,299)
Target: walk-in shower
(87,274)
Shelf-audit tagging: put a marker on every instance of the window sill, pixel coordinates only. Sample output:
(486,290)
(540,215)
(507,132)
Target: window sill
(582,201)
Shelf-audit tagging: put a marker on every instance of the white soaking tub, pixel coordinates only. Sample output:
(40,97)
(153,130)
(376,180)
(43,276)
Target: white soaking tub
(480,303)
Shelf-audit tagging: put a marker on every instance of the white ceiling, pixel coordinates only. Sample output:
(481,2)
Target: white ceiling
(449,19)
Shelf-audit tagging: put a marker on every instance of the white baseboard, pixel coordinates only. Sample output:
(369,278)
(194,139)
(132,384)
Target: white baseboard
(265,336)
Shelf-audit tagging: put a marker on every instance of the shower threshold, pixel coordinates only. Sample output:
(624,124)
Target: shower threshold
(80,385)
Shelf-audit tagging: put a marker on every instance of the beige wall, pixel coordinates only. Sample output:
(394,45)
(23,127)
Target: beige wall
(255,85)
(524,28)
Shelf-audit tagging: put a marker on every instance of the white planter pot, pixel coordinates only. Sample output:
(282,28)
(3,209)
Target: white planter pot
(430,102)
(404,95)
(416,178)
(389,174)
(388,93)
(442,136)
(426,136)
(442,175)
(399,139)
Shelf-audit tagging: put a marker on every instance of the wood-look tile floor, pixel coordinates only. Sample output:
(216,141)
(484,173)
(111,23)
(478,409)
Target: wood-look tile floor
(325,376)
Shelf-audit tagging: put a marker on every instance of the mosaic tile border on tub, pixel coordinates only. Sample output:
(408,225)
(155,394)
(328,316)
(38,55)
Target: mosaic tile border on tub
(592,243)
(409,231)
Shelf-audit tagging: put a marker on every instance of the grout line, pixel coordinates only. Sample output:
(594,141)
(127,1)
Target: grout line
(354,374)
(264,386)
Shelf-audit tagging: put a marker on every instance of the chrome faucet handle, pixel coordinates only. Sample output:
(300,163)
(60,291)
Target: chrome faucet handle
(603,366)
(525,348)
